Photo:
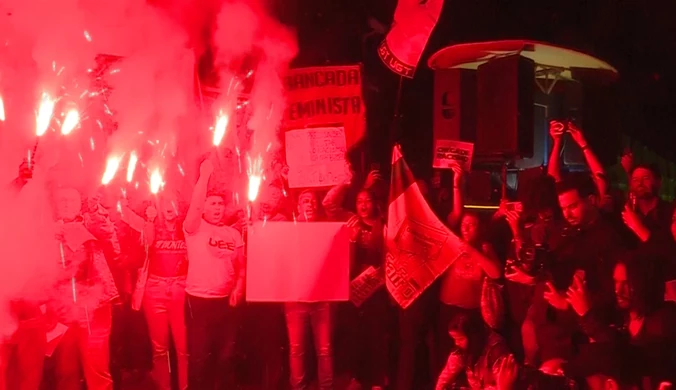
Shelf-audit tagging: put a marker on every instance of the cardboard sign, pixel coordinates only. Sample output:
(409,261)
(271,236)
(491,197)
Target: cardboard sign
(447,151)
(367,283)
(326,96)
(298,262)
(316,157)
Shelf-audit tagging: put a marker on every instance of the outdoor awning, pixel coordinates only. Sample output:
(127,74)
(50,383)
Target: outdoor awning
(551,61)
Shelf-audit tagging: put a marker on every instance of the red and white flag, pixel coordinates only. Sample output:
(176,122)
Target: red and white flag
(413,23)
(419,247)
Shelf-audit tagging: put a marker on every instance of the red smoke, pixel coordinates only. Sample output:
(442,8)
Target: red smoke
(144,103)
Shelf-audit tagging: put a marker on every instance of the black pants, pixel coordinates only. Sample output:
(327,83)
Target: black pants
(371,331)
(211,325)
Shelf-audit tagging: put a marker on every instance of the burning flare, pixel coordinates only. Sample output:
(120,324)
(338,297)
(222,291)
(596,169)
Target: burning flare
(156,182)
(255,173)
(111,169)
(219,129)
(2,110)
(45,113)
(133,159)
(72,120)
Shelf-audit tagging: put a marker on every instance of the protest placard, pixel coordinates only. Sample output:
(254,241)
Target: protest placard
(298,262)
(364,285)
(324,96)
(316,157)
(447,152)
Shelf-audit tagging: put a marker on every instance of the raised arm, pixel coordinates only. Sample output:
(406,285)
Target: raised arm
(556,130)
(598,173)
(145,226)
(333,201)
(237,295)
(453,218)
(199,196)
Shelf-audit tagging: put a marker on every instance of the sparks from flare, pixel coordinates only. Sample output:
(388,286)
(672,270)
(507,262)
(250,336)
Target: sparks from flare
(219,129)
(111,169)
(133,159)
(44,115)
(156,182)
(72,120)
(255,173)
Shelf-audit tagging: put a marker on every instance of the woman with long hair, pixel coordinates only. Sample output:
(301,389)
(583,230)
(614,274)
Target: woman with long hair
(160,289)
(369,317)
(479,353)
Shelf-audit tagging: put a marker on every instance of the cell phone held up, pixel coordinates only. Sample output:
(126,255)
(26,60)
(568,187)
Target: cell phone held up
(514,206)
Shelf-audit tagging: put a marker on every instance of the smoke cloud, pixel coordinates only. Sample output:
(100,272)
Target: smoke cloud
(139,100)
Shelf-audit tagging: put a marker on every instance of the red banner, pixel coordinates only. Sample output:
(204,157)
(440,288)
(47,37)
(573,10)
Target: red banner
(326,96)
(413,23)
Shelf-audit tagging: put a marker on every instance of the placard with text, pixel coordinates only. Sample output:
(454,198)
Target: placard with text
(448,152)
(316,157)
(326,96)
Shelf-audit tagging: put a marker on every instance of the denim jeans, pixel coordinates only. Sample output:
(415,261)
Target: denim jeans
(211,325)
(22,356)
(300,319)
(86,345)
(164,308)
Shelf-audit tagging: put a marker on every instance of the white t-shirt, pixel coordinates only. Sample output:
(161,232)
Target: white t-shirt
(212,252)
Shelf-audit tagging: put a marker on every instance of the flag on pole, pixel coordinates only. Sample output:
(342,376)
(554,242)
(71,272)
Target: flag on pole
(419,247)
(413,23)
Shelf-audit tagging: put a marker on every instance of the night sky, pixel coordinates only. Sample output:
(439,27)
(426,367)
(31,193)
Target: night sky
(638,38)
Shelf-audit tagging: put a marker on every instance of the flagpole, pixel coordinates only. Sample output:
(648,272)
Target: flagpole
(394,133)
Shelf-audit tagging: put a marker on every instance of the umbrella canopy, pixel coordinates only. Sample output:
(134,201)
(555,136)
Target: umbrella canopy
(565,64)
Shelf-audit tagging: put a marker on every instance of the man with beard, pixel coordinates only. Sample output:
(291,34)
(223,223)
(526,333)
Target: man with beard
(649,219)
(641,316)
(587,244)
(646,213)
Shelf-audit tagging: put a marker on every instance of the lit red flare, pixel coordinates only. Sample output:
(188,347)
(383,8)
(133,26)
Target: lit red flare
(255,173)
(112,166)
(44,116)
(2,110)
(133,159)
(156,182)
(219,129)
(72,119)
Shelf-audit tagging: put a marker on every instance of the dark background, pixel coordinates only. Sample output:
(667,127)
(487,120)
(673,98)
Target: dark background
(638,38)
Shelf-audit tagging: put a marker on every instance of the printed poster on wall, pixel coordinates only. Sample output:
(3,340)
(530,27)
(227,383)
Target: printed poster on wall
(316,157)
(298,262)
(447,152)
(326,96)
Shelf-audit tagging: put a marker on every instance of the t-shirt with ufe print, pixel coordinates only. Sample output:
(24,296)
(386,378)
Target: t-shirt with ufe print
(212,252)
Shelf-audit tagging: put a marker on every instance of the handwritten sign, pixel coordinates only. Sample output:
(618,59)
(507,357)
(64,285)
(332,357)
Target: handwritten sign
(364,285)
(298,262)
(447,152)
(324,96)
(316,157)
